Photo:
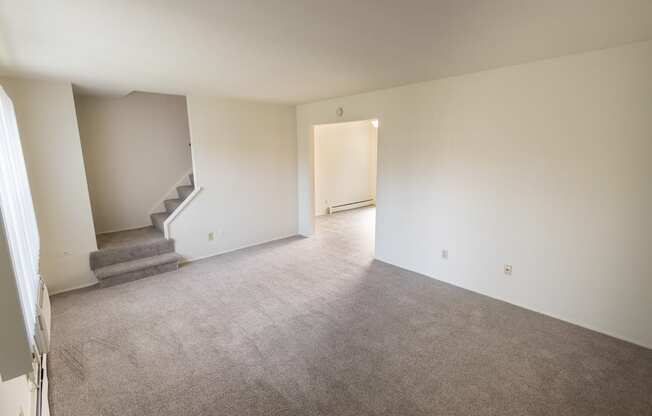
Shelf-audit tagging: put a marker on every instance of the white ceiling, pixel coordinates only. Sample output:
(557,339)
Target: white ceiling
(297,50)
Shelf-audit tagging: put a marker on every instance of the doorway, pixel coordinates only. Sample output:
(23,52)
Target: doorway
(345,176)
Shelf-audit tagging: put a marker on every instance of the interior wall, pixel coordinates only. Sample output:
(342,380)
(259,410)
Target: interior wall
(544,166)
(344,164)
(244,157)
(17,397)
(136,148)
(47,123)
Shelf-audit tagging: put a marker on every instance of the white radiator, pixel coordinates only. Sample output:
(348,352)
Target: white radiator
(42,332)
(43,404)
(351,205)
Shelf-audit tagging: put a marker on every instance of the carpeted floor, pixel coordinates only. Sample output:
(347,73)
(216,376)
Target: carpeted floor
(315,327)
(120,239)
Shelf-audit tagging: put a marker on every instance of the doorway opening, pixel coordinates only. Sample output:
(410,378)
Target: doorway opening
(345,176)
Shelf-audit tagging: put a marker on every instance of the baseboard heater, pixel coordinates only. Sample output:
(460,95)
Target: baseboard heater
(351,205)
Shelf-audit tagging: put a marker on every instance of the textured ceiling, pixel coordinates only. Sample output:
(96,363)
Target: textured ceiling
(297,51)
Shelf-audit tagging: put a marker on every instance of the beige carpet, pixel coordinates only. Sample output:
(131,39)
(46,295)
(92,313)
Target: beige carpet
(315,327)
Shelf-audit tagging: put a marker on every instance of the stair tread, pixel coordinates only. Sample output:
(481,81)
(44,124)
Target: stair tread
(185,191)
(158,219)
(133,265)
(133,250)
(172,204)
(127,238)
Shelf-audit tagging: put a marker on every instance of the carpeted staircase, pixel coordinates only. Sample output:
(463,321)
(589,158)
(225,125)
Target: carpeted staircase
(133,254)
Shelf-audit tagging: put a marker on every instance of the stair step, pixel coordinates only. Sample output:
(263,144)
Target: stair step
(136,269)
(172,204)
(192,179)
(184,191)
(123,253)
(158,219)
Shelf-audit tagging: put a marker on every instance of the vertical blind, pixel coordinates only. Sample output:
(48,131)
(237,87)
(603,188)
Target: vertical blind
(18,215)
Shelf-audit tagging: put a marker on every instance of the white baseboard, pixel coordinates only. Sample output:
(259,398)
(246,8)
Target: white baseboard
(550,315)
(73,288)
(186,261)
(353,205)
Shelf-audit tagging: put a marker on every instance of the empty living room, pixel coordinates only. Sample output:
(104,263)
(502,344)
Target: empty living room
(315,208)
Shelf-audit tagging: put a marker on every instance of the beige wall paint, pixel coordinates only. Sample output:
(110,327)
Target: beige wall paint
(244,157)
(17,397)
(545,166)
(135,149)
(47,123)
(344,164)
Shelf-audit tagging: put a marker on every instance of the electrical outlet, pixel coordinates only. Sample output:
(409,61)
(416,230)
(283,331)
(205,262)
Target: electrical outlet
(508,269)
(444,254)
(211,236)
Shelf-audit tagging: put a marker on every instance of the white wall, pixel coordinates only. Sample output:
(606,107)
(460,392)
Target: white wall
(16,396)
(48,128)
(545,166)
(135,148)
(344,164)
(244,157)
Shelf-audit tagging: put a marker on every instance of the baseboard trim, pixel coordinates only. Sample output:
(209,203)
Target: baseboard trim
(549,315)
(187,261)
(351,205)
(84,286)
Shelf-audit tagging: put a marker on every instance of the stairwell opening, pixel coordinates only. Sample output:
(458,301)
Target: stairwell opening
(138,164)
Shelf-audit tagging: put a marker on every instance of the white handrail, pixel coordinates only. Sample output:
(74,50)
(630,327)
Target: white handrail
(177,211)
